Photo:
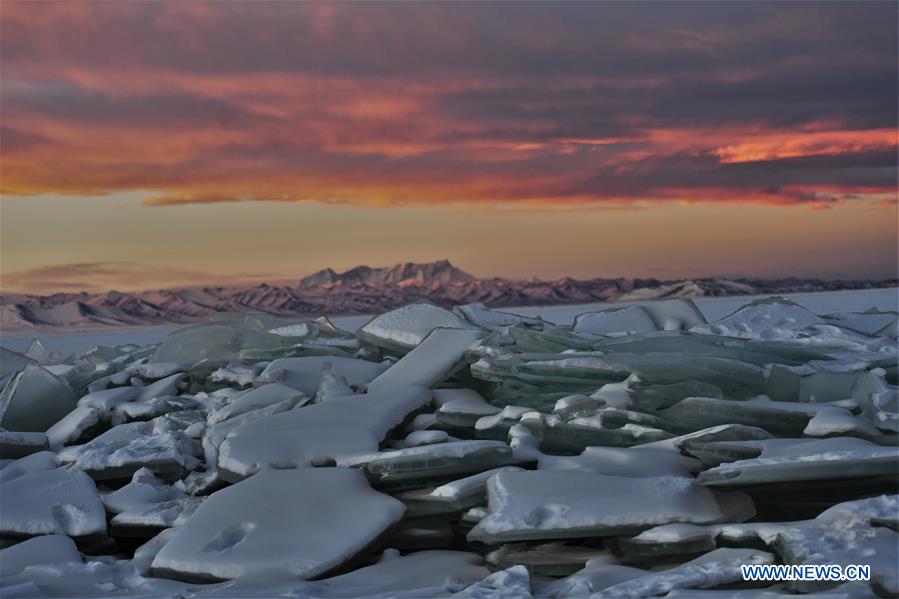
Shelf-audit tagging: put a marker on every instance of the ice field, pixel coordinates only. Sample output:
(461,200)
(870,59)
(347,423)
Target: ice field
(608,450)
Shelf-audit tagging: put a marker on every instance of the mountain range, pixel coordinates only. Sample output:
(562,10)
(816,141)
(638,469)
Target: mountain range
(365,290)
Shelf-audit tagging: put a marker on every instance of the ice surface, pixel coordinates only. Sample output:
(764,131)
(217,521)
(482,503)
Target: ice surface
(159,445)
(58,501)
(47,549)
(632,319)
(258,397)
(305,373)
(14,445)
(34,400)
(299,437)
(404,328)
(430,362)
(600,461)
(560,504)
(301,522)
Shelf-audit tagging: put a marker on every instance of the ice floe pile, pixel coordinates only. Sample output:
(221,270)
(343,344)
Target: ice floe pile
(640,452)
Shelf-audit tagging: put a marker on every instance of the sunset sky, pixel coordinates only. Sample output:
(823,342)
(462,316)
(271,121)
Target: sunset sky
(155,144)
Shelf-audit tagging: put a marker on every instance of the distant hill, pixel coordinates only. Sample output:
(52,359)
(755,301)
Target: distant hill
(365,290)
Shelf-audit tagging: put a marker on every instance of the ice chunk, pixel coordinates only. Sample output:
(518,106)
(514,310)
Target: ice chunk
(148,517)
(843,535)
(419,438)
(630,319)
(48,549)
(838,458)
(435,359)
(461,408)
(57,501)
(303,522)
(212,342)
(567,504)
(404,328)
(236,373)
(549,559)
(12,362)
(332,385)
(716,568)
(416,466)
(632,462)
(305,373)
(34,400)
(144,488)
(299,437)
(106,400)
(779,418)
(258,397)
(159,445)
(72,426)
(511,583)
(14,445)
(479,315)
(769,318)
(423,574)
(678,313)
(871,322)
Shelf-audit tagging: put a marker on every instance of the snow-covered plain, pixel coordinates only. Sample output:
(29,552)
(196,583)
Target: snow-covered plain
(562,451)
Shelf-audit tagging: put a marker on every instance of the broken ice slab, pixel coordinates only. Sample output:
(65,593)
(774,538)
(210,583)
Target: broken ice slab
(568,504)
(12,362)
(434,573)
(718,568)
(303,522)
(214,342)
(144,488)
(305,373)
(759,353)
(735,378)
(872,322)
(159,445)
(548,559)
(50,501)
(454,496)
(654,396)
(258,397)
(768,318)
(425,465)
(783,461)
(461,408)
(549,338)
(802,384)
(558,436)
(402,329)
(47,549)
(432,361)
(844,535)
(788,419)
(14,445)
(73,425)
(633,462)
(34,400)
(308,434)
(878,399)
(147,519)
(494,320)
(496,426)
(584,368)
(625,320)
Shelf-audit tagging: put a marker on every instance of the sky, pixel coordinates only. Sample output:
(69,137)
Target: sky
(157,144)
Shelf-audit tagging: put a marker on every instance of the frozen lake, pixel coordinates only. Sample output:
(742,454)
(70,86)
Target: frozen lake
(713,308)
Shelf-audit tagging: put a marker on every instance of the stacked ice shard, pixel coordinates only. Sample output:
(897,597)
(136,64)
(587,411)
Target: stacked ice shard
(640,452)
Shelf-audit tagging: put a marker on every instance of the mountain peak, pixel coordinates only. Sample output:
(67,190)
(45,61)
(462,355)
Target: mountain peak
(441,271)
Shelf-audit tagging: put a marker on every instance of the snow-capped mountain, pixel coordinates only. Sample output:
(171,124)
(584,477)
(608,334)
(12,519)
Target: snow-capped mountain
(366,290)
